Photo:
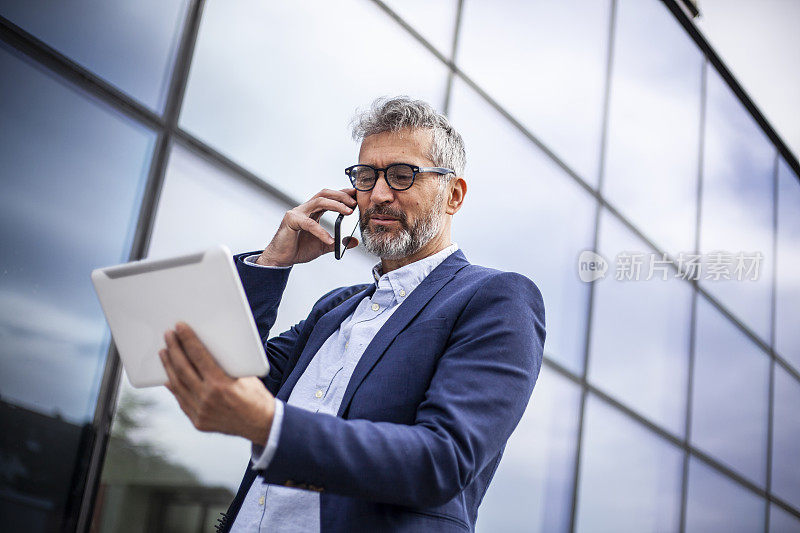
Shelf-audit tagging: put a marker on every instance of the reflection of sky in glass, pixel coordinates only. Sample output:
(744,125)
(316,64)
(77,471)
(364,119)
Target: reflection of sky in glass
(782,522)
(522,213)
(654,118)
(640,334)
(786,438)
(532,488)
(729,397)
(274,84)
(716,503)
(787,298)
(630,478)
(200,206)
(545,62)
(736,211)
(130,44)
(72,178)
(435,20)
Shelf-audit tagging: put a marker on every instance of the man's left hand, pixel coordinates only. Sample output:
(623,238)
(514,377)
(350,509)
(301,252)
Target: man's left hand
(212,399)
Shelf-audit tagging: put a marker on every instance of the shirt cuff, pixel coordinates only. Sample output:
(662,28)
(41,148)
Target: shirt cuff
(260,456)
(251,260)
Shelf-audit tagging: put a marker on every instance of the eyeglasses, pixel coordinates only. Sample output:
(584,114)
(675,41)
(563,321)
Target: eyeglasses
(399,176)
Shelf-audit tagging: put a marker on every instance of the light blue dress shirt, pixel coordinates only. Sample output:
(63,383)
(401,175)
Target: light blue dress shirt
(320,389)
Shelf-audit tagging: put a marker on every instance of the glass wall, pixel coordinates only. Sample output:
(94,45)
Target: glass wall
(545,64)
(72,178)
(278,98)
(131,45)
(718,504)
(630,478)
(737,208)
(652,153)
(607,159)
(639,348)
(730,396)
(787,295)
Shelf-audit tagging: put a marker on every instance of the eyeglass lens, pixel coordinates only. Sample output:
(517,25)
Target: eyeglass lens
(399,176)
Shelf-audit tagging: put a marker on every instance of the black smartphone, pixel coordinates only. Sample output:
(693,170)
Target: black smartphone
(337,236)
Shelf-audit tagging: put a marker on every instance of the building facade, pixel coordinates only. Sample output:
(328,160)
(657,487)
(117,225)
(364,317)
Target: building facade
(611,157)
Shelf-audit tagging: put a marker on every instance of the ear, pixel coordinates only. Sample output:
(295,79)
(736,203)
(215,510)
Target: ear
(458,189)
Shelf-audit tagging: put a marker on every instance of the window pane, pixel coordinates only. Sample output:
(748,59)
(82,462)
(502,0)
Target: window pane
(182,518)
(729,398)
(737,204)
(154,448)
(782,522)
(786,438)
(717,503)
(787,297)
(288,122)
(130,44)
(522,213)
(639,348)
(653,125)
(72,179)
(544,62)
(630,478)
(435,20)
(532,488)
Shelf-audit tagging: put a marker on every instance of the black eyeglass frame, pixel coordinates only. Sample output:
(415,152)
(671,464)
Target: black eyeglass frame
(414,171)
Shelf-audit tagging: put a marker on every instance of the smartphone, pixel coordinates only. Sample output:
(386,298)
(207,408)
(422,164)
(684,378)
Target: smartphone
(337,236)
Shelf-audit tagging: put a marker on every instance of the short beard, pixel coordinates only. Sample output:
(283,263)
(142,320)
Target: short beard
(408,241)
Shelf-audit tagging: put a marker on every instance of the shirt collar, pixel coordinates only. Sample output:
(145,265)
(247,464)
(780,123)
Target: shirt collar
(407,277)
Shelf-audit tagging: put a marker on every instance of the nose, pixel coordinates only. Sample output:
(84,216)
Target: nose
(381,193)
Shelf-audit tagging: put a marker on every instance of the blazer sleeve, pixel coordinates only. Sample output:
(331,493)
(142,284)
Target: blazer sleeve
(476,397)
(264,289)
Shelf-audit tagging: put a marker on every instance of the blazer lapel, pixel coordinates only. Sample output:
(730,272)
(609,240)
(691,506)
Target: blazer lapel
(324,328)
(409,309)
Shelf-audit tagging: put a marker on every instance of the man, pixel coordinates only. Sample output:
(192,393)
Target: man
(389,406)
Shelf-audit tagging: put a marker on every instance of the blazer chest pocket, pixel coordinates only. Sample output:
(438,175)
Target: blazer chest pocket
(414,352)
(436,323)
(424,339)
(397,383)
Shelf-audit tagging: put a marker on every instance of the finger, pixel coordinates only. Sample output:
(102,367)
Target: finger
(350,242)
(188,410)
(186,372)
(346,196)
(197,352)
(317,206)
(316,229)
(174,384)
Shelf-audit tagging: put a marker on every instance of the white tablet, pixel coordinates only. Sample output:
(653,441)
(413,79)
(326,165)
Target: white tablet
(143,299)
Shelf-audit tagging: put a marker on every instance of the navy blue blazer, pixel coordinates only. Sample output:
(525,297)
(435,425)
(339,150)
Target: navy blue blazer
(428,410)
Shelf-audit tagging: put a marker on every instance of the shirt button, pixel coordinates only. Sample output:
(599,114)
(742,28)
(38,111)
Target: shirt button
(318,394)
(261,501)
(375,307)
(402,292)
(347,344)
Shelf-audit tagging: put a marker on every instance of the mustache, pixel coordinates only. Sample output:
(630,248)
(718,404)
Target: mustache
(385,211)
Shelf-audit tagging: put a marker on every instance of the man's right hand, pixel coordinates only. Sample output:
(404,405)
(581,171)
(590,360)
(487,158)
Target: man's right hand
(300,237)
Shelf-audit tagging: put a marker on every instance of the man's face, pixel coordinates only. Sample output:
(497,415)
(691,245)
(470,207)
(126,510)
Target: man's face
(396,224)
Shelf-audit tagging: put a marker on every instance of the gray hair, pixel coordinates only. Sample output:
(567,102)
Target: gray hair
(393,114)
